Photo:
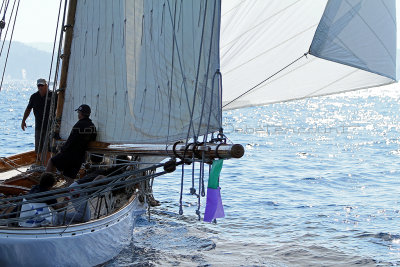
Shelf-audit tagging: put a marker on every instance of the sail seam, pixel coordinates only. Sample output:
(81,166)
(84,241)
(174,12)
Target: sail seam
(270,49)
(239,36)
(374,33)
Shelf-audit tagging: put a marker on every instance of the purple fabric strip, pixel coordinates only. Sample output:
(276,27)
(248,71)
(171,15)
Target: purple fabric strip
(214,207)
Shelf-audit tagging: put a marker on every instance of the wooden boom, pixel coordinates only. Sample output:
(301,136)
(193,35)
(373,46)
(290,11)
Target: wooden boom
(177,150)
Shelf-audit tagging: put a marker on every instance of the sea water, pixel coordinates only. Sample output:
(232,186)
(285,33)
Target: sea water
(319,185)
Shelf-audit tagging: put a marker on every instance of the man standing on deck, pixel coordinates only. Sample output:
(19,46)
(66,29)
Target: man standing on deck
(38,102)
(73,152)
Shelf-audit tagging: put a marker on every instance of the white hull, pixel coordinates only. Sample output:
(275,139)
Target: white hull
(86,244)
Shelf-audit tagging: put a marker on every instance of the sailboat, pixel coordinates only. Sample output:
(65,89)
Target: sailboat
(151,72)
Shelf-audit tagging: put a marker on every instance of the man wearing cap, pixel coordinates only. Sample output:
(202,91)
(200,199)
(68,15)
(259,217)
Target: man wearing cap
(38,102)
(72,154)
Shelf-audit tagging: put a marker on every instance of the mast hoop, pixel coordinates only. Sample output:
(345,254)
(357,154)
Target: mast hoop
(216,150)
(174,149)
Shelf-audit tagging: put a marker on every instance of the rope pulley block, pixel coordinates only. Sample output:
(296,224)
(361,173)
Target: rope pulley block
(170,165)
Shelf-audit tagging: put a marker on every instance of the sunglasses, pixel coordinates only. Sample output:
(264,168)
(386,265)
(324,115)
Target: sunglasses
(40,85)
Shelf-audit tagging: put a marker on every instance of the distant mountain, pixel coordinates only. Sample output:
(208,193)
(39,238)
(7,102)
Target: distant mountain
(46,47)
(24,62)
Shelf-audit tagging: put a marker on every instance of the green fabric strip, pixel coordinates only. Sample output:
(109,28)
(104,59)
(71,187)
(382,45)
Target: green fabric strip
(213,180)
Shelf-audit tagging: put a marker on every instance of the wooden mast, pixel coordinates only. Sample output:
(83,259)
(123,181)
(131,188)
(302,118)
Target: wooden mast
(65,62)
(178,150)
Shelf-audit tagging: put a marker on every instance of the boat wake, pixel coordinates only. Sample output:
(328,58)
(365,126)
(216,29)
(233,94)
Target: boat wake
(161,242)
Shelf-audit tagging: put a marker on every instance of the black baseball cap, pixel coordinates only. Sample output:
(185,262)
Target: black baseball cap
(85,109)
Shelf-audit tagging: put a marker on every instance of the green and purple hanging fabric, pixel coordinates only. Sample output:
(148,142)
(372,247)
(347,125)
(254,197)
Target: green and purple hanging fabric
(214,207)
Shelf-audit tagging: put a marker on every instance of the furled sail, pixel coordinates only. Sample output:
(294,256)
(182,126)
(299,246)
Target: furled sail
(263,45)
(146,68)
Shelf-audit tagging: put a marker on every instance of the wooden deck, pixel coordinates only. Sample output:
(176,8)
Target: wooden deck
(16,161)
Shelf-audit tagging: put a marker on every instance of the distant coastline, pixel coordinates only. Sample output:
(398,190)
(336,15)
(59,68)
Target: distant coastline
(22,63)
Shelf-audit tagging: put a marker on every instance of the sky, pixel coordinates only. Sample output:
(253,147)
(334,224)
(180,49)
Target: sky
(36,21)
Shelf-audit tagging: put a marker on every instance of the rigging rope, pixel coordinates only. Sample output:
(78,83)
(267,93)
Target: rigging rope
(3,22)
(220,101)
(115,182)
(184,84)
(43,153)
(15,167)
(191,107)
(8,25)
(197,74)
(201,174)
(88,187)
(9,45)
(180,63)
(192,113)
(61,190)
(172,76)
(5,9)
(2,4)
(207,72)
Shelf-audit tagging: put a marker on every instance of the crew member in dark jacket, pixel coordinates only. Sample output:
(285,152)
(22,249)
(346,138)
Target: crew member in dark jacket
(72,154)
(37,102)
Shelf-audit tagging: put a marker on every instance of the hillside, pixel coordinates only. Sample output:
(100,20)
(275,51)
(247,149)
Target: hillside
(25,62)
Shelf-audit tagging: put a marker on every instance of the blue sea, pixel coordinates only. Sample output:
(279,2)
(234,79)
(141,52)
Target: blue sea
(319,185)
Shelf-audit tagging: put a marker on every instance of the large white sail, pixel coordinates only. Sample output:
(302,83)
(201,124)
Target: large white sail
(145,68)
(358,33)
(263,43)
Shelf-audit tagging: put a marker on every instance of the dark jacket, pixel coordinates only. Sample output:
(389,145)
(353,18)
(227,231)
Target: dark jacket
(37,103)
(81,134)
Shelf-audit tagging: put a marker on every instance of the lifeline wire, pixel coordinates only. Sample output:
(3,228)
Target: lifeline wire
(101,189)
(62,192)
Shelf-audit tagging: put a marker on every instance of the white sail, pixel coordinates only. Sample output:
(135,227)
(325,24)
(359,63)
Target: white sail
(144,67)
(358,33)
(262,43)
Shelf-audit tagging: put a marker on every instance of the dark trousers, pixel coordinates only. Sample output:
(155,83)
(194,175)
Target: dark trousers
(40,137)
